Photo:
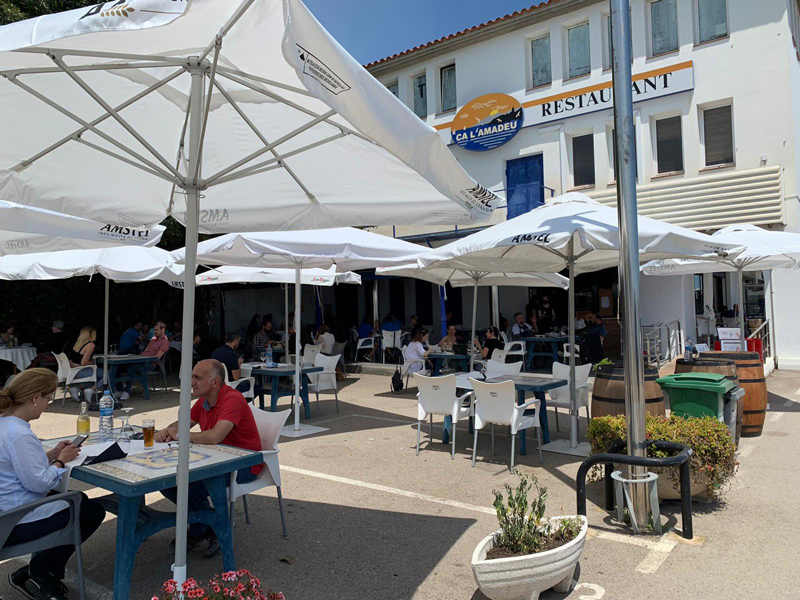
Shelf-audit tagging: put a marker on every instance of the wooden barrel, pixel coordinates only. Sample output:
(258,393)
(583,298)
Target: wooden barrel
(608,394)
(720,366)
(751,379)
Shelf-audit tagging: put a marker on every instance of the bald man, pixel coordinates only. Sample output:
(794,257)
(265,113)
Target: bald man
(224,418)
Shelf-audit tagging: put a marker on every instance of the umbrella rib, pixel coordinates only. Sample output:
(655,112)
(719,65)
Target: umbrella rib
(101,54)
(181,146)
(228,26)
(91,128)
(272,82)
(211,80)
(120,158)
(97,67)
(114,114)
(264,140)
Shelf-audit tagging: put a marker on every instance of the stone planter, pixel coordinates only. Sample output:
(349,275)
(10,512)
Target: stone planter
(525,577)
(667,491)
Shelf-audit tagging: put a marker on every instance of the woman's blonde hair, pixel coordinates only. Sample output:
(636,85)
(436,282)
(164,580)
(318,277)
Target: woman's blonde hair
(26,385)
(87,334)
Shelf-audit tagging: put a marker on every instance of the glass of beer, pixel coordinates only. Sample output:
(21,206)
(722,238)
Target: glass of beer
(149,432)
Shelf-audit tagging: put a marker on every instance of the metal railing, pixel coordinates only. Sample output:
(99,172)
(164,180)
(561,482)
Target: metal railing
(763,334)
(653,338)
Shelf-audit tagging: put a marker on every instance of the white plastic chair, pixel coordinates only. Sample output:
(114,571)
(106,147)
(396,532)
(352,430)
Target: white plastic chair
(496,369)
(495,403)
(503,338)
(560,397)
(499,355)
(391,339)
(437,396)
(250,392)
(516,348)
(325,380)
(568,349)
(407,362)
(67,374)
(310,352)
(364,344)
(269,426)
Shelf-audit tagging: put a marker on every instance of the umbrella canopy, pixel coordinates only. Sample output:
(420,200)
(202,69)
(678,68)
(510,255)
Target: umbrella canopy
(575,232)
(31,229)
(319,277)
(764,250)
(348,248)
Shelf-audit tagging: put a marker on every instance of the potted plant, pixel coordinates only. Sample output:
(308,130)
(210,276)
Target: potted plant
(239,584)
(530,553)
(713,462)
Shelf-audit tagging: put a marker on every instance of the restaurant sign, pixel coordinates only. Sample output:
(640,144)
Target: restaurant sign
(487,122)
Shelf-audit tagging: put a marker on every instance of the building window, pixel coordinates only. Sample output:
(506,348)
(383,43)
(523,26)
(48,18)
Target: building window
(712,20)
(420,96)
(540,61)
(608,58)
(613,153)
(392,87)
(699,300)
(663,26)
(448,91)
(669,145)
(583,160)
(578,49)
(718,135)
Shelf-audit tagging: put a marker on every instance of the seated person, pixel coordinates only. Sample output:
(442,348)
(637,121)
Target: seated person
(7,333)
(591,347)
(366,330)
(29,474)
(177,332)
(504,326)
(391,324)
(450,340)
(269,328)
(416,350)
(57,340)
(520,328)
(229,357)
(224,417)
(325,337)
(289,341)
(492,343)
(81,356)
(156,348)
(265,337)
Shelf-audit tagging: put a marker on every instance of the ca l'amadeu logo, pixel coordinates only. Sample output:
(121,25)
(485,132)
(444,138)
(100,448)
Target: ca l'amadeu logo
(487,122)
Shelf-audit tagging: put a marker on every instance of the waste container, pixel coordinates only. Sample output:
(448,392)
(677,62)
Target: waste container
(703,395)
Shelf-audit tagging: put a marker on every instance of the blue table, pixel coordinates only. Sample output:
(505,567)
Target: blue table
(438,359)
(138,371)
(136,522)
(522,383)
(543,339)
(274,374)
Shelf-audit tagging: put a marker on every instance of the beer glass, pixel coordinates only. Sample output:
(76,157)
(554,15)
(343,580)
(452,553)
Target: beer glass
(149,432)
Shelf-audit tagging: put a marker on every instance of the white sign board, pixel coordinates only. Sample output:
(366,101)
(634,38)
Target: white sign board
(729,333)
(702,347)
(731,345)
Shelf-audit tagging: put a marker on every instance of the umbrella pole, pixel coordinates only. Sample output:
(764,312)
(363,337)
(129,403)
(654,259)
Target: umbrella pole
(573,397)
(286,317)
(740,275)
(297,343)
(629,248)
(495,316)
(190,262)
(471,345)
(105,337)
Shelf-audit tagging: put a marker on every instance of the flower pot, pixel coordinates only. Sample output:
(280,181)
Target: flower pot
(525,577)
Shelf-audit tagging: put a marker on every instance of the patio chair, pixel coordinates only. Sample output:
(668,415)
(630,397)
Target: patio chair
(407,362)
(560,397)
(567,350)
(325,380)
(495,403)
(310,352)
(69,535)
(499,355)
(391,340)
(67,374)
(496,369)
(437,396)
(160,363)
(249,392)
(269,426)
(364,344)
(339,348)
(516,348)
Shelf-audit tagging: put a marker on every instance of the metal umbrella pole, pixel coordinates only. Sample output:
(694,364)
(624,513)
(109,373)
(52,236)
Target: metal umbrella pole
(297,343)
(740,275)
(471,344)
(105,337)
(286,318)
(573,396)
(495,316)
(629,247)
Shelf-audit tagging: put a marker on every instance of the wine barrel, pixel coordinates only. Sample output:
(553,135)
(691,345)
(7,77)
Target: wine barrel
(722,367)
(608,394)
(751,379)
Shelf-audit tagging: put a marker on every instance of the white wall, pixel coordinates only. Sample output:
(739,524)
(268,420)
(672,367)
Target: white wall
(664,299)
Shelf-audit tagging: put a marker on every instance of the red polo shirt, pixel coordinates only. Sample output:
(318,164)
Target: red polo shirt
(230,406)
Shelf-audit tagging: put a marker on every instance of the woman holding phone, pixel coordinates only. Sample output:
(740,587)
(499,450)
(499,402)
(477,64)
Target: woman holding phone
(28,473)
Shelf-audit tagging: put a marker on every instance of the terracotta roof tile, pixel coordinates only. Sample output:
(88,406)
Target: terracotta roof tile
(515,14)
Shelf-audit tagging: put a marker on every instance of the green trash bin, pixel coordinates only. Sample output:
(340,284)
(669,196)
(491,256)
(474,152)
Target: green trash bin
(697,394)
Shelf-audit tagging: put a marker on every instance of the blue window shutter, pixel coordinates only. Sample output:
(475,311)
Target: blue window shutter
(524,183)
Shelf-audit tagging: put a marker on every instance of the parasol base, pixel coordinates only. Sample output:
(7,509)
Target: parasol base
(563,447)
(290,431)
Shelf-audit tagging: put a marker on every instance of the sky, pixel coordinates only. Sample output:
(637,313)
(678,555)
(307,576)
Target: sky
(374,29)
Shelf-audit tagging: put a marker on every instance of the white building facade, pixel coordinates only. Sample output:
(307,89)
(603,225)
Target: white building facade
(716,86)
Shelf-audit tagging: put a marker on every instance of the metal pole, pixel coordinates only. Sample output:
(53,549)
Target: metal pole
(192,226)
(105,339)
(740,274)
(297,346)
(471,344)
(573,394)
(495,307)
(772,344)
(286,317)
(629,246)
(376,316)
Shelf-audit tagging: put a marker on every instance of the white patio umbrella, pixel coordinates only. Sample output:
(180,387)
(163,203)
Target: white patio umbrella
(316,277)
(464,278)
(122,264)
(27,229)
(229,116)
(344,249)
(575,232)
(764,250)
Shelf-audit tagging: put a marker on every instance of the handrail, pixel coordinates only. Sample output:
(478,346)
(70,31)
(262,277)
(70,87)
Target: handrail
(764,325)
(681,460)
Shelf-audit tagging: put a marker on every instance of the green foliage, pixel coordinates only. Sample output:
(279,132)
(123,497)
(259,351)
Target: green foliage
(602,363)
(713,461)
(523,527)
(17,10)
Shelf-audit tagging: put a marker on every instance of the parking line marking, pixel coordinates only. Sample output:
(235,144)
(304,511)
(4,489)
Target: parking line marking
(788,403)
(776,416)
(656,557)
(797,393)
(745,452)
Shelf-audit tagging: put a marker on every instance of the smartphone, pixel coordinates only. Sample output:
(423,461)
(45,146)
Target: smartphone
(79,440)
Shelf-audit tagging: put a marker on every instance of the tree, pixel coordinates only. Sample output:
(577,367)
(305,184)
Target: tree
(17,10)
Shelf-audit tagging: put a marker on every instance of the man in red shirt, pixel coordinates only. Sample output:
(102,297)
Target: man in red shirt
(224,418)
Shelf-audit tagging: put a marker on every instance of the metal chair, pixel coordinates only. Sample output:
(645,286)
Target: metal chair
(339,348)
(69,535)
(560,397)
(67,374)
(269,426)
(437,396)
(324,380)
(161,367)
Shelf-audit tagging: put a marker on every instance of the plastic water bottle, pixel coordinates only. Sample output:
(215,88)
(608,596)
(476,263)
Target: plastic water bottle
(107,417)
(269,356)
(688,350)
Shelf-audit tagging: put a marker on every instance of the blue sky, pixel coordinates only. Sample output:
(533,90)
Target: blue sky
(375,29)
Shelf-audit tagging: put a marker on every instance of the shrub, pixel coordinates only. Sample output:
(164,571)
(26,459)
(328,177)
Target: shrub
(713,462)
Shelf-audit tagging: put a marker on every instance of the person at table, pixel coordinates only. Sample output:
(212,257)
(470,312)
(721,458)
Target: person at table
(533,323)
(57,340)
(225,418)
(491,344)
(130,340)
(416,350)
(158,345)
(390,323)
(546,315)
(253,326)
(326,338)
(450,340)
(591,347)
(262,339)
(520,328)
(228,355)
(367,330)
(505,326)
(152,331)
(289,340)
(7,333)
(177,332)
(27,474)
(81,356)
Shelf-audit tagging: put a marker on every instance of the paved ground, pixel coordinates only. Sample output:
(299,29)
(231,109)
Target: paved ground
(370,520)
